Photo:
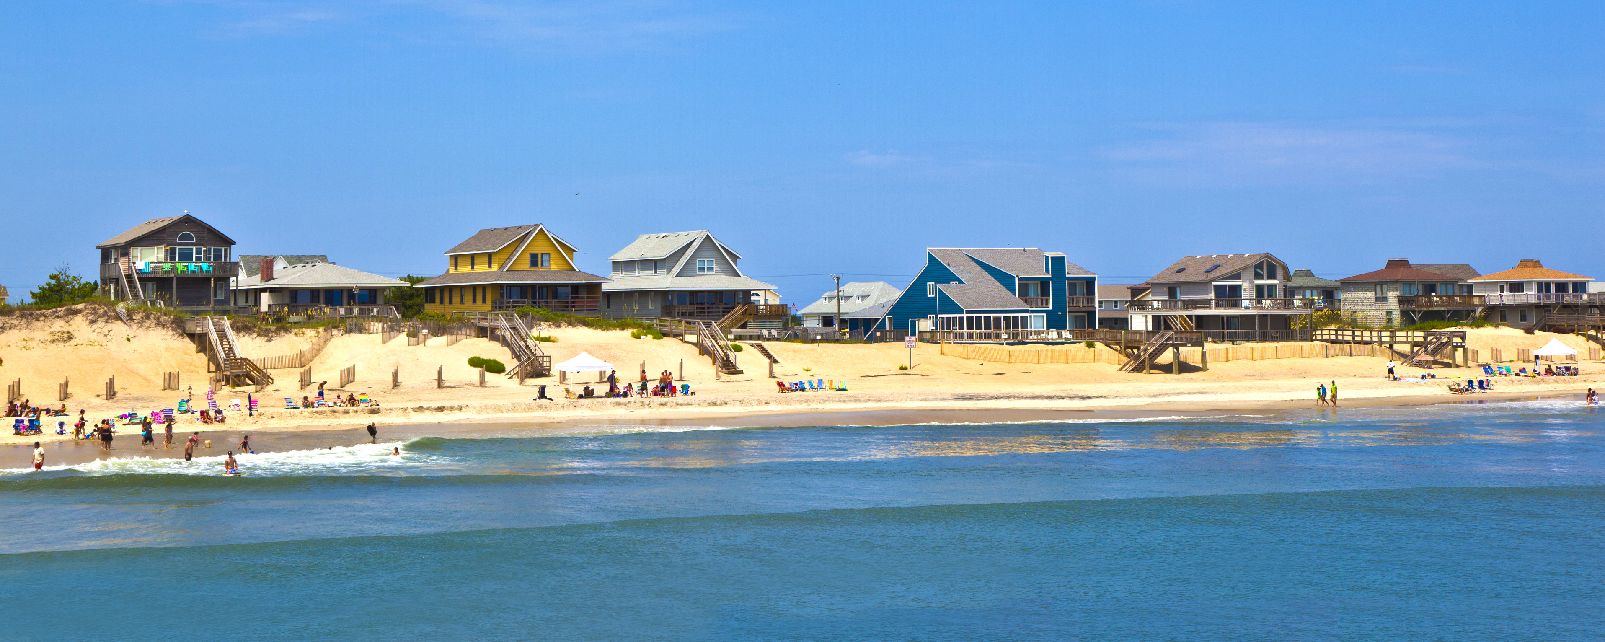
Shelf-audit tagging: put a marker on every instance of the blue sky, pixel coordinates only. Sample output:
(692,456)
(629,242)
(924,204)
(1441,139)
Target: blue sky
(813,137)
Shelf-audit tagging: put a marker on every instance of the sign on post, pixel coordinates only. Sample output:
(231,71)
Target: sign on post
(908,342)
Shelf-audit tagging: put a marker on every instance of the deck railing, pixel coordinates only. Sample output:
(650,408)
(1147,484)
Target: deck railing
(572,305)
(1246,305)
(1441,301)
(332,311)
(1534,298)
(716,311)
(170,269)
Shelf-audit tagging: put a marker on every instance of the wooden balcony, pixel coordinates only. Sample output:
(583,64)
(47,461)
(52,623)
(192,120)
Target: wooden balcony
(1080,302)
(716,311)
(1442,302)
(319,311)
(1037,301)
(1575,298)
(1223,305)
(167,270)
(585,305)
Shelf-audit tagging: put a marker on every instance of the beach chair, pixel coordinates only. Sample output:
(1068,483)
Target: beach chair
(234,405)
(1488,370)
(364,399)
(183,406)
(821,384)
(290,404)
(17,428)
(253,404)
(782,386)
(1457,389)
(685,390)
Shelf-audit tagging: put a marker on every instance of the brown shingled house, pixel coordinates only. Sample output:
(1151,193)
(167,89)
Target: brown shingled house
(1228,297)
(1403,293)
(175,261)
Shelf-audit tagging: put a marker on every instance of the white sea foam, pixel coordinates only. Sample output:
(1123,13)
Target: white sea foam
(359,459)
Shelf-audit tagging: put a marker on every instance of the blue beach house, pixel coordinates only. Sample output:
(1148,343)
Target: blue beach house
(995,289)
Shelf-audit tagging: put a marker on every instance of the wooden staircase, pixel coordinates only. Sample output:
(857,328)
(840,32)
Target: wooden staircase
(132,289)
(1432,347)
(1179,323)
(532,361)
(764,350)
(1146,353)
(235,369)
(711,340)
(736,317)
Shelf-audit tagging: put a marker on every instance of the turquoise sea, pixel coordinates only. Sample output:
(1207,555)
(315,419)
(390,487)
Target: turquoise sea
(1438,522)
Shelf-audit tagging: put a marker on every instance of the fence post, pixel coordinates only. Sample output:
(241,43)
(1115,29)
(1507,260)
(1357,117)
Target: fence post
(481,377)
(62,394)
(682,369)
(440,377)
(111,388)
(395,377)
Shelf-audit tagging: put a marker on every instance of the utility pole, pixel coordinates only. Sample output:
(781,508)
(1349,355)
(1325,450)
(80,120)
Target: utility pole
(839,329)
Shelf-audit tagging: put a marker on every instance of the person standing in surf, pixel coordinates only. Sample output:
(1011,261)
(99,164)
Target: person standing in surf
(373,434)
(189,446)
(245,445)
(1332,392)
(167,433)
(230,466)
(105,435)
(146,438)
(38,456)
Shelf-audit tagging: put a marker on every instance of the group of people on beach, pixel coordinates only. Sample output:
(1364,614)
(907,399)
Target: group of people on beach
(1325,395)
(26,409)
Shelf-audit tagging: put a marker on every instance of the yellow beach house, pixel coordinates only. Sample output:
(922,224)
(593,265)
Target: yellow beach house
(505,268)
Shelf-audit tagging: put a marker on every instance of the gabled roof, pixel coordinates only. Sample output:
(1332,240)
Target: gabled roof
(660,245)
(1307,279)
(511,276)
(251,264)
(1203,268)
(153,225)
(319,275)
(491,239)
(856,296)
(1531,270)
(1401,270)
(977,290)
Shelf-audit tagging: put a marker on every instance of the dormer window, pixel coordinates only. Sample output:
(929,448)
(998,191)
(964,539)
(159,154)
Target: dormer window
(186,237)
(704,266)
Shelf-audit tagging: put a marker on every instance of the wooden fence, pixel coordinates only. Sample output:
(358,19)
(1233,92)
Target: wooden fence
(306,378)
(170,380)
(61,390)
(111,388)
(1098,353)
(348,374)
(13,391)
(300,359)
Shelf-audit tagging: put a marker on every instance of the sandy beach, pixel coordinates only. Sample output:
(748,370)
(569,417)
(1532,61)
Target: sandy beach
(86,346)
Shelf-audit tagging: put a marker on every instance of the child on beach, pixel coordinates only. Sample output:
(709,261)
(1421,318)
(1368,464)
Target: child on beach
(1320,394)
(1592,398)
(39,455)
(231,467)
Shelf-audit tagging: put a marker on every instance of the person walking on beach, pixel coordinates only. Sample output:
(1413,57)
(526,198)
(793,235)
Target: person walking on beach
(373,433)
(146,437)
(38,456)
(1332,392)
(189,446)
(245,445)
(1320,394)
(1591,398)
(250,405)
(105,435)
(1391,376)
(167,433)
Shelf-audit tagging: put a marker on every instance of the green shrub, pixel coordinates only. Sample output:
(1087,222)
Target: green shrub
(543,339)
(476,362)
(637,333)
(1090,344)
(494,367)
(902,366)
(736,347)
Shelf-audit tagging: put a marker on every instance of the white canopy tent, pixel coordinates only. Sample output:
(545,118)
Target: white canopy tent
(1555,349)
(583,362)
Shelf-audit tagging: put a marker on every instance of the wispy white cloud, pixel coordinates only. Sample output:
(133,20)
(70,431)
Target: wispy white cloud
(598,25)
(1275,152)
(950,165)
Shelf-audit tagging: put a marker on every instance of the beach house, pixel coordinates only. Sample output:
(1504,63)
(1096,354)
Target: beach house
(1113,300)
(506,268)
(1001,294)
(1527,294)
(689,276)
(310,285)
(1404,293)
(1322,293)
(175,261)
(1228,297)
(855,308)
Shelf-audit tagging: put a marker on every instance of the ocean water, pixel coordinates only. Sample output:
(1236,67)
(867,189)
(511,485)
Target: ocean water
(1439,522)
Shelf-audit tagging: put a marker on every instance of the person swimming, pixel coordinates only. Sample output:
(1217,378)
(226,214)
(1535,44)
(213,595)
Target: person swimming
(230,466)
(395,452)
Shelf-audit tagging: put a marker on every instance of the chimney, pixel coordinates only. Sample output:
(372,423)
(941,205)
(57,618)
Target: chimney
(1397,263)
(1529,263)
(267,269)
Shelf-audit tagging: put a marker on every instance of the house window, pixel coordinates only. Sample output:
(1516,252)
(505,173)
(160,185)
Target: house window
(473,261)
(1265,291)
(657,268)
(1382,296)
(930,289)
(454,262)
(186,237)
(429,296)
(541,261)
(1389,316)
(704,266)
(1173,293)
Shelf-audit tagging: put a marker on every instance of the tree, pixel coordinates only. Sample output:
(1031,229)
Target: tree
(409,301)
(61,288)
